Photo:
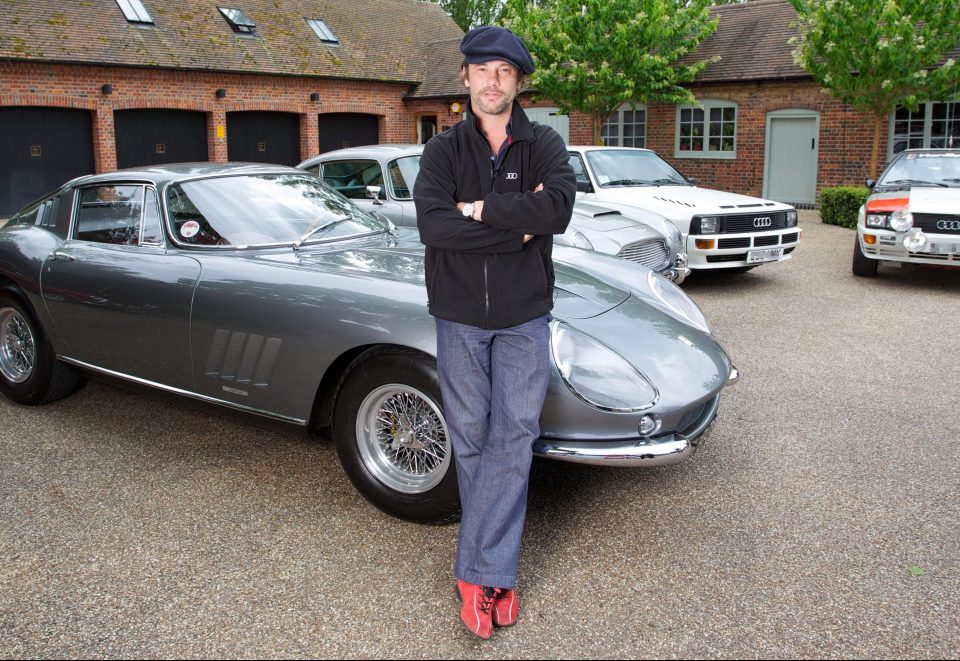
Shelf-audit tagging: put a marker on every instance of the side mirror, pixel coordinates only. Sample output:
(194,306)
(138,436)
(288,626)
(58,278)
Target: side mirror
(584,187)
(871,183)
(373,192)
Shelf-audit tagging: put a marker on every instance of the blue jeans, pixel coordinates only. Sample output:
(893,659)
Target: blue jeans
(493,384)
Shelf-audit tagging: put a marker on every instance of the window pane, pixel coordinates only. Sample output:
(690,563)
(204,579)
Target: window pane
(716,114)
(403,172)
(110,214)
(698,114)
(729,114)
(685,115)
(152,230)
(351,178)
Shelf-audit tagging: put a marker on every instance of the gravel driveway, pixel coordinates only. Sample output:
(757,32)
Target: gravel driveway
(821,520)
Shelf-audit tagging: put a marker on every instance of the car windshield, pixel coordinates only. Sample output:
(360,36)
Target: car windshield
(247,210)
(623,167)
(923,170)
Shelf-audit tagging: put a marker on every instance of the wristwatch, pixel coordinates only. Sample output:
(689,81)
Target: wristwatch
(468,210)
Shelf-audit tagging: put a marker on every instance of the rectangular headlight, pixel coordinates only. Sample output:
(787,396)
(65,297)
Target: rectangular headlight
(877,220)
(792,218)
(709,225)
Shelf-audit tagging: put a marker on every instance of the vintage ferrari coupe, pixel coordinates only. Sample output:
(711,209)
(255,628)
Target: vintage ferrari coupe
(259,289)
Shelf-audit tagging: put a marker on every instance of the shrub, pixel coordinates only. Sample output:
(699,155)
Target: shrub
(839,206)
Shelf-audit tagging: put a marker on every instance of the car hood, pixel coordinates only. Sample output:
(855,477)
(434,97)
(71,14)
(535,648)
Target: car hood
(685,201)
(927,200)
(603,218)
(400,258)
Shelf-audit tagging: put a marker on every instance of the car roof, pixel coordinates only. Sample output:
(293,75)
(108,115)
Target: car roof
(382,152)
(931,150)
(160,175)
(604,148)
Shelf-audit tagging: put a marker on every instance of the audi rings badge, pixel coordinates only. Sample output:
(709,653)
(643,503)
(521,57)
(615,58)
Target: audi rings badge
(949,225)
(762,221)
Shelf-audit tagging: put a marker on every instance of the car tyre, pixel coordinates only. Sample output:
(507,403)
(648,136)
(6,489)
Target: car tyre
(862,265)
(29,370)
(391,436)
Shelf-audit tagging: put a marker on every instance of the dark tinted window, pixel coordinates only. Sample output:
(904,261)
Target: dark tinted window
(351,178)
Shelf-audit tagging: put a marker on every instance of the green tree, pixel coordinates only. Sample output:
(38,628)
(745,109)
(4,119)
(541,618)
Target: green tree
(877,54)
(472,13)
(594,55)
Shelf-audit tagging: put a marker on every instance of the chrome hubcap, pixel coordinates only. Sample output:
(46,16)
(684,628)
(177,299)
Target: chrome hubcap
(17,346)
(403,439)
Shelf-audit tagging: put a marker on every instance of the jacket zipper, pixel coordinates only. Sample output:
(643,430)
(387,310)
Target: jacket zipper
(486,295)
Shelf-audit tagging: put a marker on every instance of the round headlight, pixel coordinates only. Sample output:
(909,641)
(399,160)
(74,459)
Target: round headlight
(915,240)
(597,375)
(901,220)
(580,240)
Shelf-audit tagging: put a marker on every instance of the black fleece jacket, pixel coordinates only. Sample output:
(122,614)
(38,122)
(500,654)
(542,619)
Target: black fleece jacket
(482,273)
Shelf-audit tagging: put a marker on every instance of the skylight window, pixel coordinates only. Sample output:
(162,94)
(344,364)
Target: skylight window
(135,11)
(239,21)
(326,34)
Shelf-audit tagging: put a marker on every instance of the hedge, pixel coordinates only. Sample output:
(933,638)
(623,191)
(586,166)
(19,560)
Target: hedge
(839,206)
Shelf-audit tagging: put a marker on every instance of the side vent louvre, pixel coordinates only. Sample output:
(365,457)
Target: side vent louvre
(242,357)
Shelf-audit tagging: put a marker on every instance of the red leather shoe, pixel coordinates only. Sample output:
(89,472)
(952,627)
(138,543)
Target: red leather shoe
(476,612)
(506,608)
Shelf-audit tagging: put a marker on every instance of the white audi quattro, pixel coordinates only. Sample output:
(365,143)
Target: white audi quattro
(912,214)
(720,230)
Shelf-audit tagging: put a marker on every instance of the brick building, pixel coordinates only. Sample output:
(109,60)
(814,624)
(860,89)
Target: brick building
(92,85)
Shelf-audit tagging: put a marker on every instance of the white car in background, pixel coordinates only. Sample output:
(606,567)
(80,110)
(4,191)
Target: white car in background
(720,230)
(639,236)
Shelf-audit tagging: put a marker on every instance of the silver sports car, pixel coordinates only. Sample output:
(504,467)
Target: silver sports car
(261,290)
(627,232)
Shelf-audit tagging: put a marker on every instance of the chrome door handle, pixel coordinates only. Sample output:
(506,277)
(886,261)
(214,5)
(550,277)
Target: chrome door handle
(61,256)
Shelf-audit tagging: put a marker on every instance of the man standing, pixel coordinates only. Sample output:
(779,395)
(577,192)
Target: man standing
(491,193)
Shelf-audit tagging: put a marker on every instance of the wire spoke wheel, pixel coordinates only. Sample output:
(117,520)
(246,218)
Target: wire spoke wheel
(402,438)
(17,346)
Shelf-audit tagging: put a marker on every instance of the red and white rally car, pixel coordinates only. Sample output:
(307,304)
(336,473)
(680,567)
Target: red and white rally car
(912,213)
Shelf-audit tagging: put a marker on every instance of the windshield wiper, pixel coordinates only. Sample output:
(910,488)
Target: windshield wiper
(314,230)
(666,181)
(626,182)
(914,181)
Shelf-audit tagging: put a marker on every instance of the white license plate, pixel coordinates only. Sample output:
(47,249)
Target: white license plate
(945,248)
(768,255)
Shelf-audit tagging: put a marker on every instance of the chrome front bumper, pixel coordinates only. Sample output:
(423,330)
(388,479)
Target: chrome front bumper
(637,452)
(679,271)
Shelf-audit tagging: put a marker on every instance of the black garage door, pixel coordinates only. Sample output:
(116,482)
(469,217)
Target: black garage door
(41,148)
(347,129)
(153,137)
(263,137)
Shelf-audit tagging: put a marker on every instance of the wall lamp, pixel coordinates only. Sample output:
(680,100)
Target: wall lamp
(106,88)
(315,96)
(221,93)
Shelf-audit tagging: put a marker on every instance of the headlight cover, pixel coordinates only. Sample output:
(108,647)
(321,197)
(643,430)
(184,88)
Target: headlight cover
(878,220)
(709,225)
(580,240)
(901,220)
(791,218)
(675,302)
(597,375)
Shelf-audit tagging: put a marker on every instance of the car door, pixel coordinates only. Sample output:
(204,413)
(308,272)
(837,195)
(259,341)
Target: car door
(350,177)
(121,300)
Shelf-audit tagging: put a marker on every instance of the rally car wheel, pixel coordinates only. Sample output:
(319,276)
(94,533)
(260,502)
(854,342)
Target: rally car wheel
(862,265)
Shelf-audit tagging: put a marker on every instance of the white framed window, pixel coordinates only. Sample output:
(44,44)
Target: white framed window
(135,12)
(708,130)
(933,125)
(627,127)
(323,31)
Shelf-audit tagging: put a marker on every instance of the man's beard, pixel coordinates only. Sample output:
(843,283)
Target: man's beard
(492,107)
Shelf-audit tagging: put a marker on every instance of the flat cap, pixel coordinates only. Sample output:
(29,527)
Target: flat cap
(491,42)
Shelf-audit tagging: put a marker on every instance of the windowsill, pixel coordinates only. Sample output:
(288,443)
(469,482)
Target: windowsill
(706,155)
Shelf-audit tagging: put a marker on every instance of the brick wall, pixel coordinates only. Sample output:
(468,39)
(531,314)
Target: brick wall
(77,86)
(845,137)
